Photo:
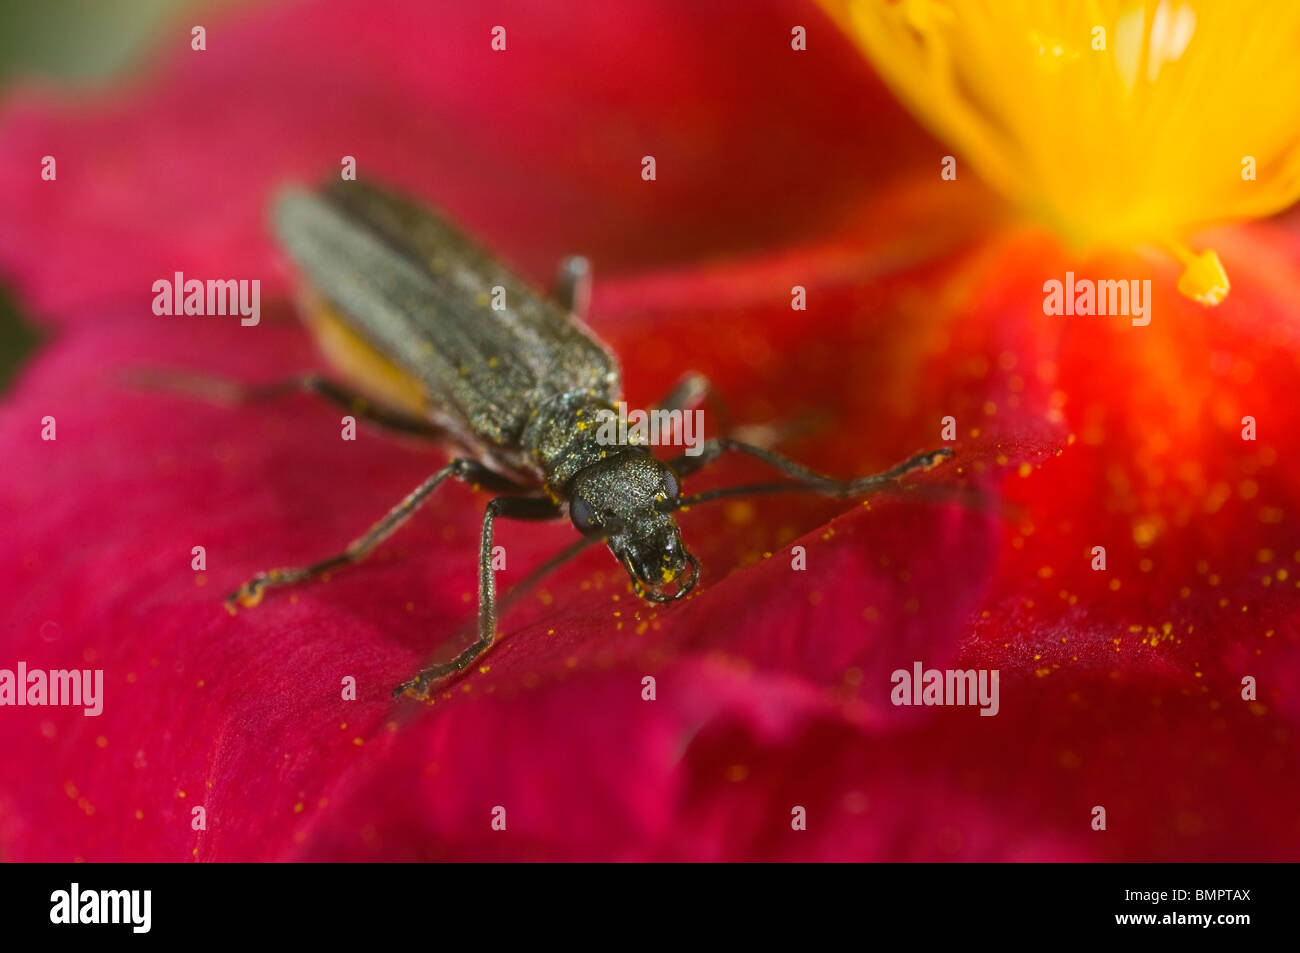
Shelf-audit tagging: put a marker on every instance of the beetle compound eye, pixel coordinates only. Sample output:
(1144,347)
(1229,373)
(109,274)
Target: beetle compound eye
(671,486)
(583,516)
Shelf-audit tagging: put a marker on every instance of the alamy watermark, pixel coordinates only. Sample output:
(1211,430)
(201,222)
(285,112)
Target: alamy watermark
(213,297)
(1085,296)
(58,687)
(133,907)
(659,428)
(933,686)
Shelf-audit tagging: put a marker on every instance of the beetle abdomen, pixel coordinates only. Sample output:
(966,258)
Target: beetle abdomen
(484,347)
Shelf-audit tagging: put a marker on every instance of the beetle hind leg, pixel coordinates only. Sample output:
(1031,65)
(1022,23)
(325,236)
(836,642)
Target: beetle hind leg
(573,284)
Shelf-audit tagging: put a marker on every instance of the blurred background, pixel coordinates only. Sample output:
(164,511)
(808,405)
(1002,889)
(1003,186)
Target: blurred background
(74,44)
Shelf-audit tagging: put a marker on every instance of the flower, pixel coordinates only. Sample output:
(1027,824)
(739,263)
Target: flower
(1119,688)
(1116,123)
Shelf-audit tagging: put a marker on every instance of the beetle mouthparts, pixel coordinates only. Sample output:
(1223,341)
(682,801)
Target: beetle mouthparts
(683,583)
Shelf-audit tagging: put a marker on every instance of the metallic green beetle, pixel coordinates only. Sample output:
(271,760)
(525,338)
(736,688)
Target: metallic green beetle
(401,303)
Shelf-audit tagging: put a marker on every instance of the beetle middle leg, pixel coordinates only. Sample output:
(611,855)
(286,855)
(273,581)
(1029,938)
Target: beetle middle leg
(506,507)
(235,393)
(693,389)
(690,391)
(468,471)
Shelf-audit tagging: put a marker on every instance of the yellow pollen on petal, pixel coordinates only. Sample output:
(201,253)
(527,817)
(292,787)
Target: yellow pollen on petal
(1117,123)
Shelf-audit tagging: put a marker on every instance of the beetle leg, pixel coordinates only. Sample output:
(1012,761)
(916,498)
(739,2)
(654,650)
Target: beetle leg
(469,471)
(233,393)
(529,582)
(804,478)
(691,389)
(573,284)
(507,507)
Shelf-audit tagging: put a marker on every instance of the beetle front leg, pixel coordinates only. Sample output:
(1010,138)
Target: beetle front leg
(508,507)
(470,471)
(802,478)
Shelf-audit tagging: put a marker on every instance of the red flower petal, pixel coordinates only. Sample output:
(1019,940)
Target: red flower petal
(249,486)
(537,149)
(770,683)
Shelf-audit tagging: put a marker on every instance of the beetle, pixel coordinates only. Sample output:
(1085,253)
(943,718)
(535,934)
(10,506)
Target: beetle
(400,303)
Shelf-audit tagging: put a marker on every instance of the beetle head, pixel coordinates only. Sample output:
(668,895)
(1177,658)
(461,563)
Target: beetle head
(627,499)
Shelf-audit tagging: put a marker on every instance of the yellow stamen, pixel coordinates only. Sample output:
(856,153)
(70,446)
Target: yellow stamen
(1116,122)
(1203,278)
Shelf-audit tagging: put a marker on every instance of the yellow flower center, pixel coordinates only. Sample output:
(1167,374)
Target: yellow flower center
(1117,122)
